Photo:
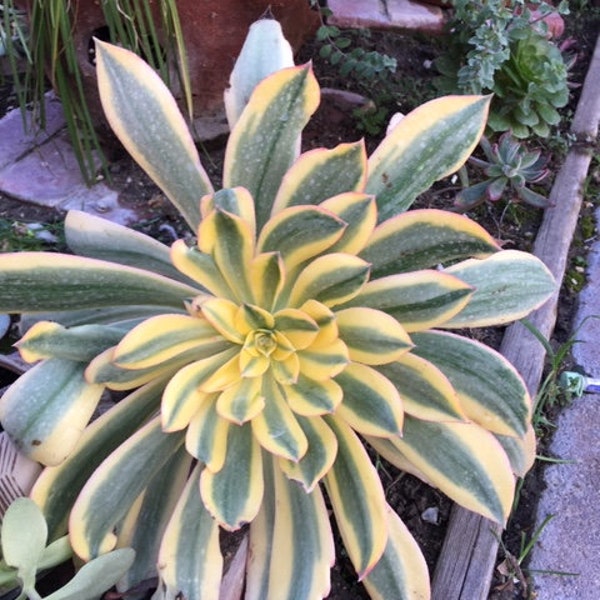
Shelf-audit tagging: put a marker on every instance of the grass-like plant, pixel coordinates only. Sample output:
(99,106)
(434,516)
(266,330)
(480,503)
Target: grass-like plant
(311,319)
(48,44)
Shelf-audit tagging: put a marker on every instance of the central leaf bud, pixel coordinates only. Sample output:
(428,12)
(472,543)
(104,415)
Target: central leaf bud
(264,342)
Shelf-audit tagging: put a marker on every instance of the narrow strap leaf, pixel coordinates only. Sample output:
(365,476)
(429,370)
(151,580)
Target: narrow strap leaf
(425,238)
(358,500)
(429,143)
(88,235)
(117,483)
(371,405)
(233,495)
(264,142)
(401,572)
(56,488)
(44,281)
(126,82)
(190,561)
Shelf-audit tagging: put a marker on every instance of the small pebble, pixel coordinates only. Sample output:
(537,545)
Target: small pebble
(431,515)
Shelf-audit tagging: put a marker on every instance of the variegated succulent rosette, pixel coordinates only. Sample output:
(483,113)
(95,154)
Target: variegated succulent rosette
(311,319)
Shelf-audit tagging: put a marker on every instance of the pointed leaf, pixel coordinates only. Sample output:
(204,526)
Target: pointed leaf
(402,571)
(241,402)
(276,427)
(46,410)
(164,337)
(310,397)
(359,212)
(200,267)
(330,279)
(267,273)
(116,484)
(102,370)
(126,84)
(425,238)
(299,233)
(265,51)
(508,286)
(323,173)
(36,281)
(207,435)
(429,143)
(520,451)
(230,241)
(263,144)
(318,459)
(358,500)
(46,339)
(190,561)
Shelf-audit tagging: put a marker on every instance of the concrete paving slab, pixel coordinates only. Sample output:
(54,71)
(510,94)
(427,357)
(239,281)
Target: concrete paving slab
(40,167)
(570,542)
(17,137)
(392,14)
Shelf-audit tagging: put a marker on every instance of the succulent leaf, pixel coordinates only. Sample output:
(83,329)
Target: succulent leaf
(190,533)
(264,142)
(125,83)
(430,136)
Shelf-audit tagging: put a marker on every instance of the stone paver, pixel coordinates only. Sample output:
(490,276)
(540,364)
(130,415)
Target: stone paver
(391,14)
(41,168)
(570,542)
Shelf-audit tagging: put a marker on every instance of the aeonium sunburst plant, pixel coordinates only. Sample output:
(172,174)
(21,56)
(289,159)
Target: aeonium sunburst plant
(312,322)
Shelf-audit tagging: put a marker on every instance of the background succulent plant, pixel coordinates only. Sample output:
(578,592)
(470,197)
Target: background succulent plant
(311,318)
(509,168)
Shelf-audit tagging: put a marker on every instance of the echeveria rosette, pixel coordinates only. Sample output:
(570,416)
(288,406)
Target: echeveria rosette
(307,318)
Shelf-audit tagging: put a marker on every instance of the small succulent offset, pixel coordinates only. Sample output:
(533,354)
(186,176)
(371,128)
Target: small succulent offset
(509,168)
(311,320)
(25,554)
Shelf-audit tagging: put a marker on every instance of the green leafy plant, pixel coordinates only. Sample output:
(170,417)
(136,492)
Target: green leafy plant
(509,168)
(24,534)
(369,70)
(500,47)
(312,318)
(530,88)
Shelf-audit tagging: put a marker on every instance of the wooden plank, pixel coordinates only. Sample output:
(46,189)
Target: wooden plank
(465,566)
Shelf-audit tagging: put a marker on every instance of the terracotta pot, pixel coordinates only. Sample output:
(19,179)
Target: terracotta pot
(213,32)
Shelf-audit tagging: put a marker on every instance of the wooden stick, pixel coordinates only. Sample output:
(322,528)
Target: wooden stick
(465,566)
